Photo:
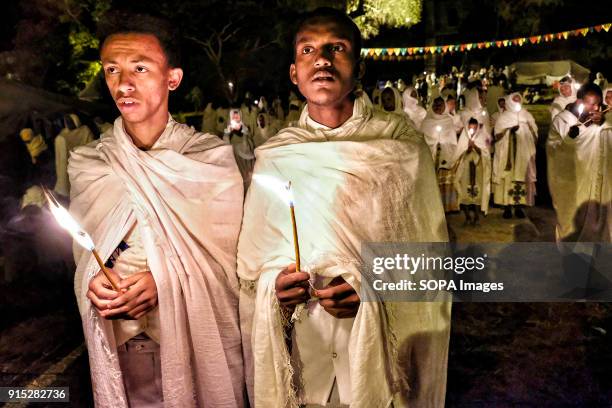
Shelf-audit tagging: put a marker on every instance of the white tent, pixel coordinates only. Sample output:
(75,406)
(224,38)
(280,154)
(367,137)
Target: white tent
(548,72)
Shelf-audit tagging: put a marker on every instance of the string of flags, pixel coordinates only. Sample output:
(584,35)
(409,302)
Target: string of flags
(408,53)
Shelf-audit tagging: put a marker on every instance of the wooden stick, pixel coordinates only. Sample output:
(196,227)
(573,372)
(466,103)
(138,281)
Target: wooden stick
(105,271)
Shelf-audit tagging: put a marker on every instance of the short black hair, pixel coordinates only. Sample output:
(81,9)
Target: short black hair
(589,88)
(328,14)
(473,121)
(123,22)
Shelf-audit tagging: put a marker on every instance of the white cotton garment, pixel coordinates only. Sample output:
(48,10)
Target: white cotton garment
(579,176)
(370,180)
(520,152)
(128,259)
(185,193)
(439,130)
(480,192)
(411,107)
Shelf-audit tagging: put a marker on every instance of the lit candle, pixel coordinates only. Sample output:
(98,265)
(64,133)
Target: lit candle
(283,190)
(65,220)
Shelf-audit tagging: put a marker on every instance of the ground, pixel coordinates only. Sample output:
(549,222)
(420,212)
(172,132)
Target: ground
(501,354)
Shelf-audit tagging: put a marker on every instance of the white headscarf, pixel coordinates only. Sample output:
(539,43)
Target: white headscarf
(412,108)
(398,100)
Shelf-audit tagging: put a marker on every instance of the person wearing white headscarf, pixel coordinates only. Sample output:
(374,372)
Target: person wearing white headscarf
(71,136)
(391,101)
(264,129)
(376,93)
(411,106)
(474,109)
(514,169)
(473,171)
(579,159)
(439,132)
(221,120)
(238,135)
(209,119)
(501,107)
(567,95)
(279,112)
(295,107)
(607,100)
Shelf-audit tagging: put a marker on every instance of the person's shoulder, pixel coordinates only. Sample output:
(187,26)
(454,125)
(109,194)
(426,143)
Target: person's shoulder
(395,126)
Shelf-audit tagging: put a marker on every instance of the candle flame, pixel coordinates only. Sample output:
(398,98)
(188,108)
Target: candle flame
(65,220)
(580,109)
(280,188)
(518,107)
(576,86)
(471,131)
(484,113)
(438,128)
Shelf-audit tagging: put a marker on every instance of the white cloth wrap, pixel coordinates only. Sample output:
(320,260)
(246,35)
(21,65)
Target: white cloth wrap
(370,180)
(579,176)
(523,168)
(186,195)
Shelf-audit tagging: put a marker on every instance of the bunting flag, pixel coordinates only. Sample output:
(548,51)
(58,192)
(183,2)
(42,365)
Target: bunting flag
(393,54)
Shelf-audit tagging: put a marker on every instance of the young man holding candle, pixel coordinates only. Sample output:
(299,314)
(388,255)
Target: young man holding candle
(357,175)
(578,153)
(163,204)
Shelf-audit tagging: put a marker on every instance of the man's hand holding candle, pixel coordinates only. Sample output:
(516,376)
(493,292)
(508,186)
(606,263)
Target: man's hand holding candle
(138,297)
(292,287)
(339,299)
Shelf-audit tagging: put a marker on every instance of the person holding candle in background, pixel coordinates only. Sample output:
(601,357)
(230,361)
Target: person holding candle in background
(163,204)
(514,169)
(578,150)
(357,174)
(473,171)
(439,131)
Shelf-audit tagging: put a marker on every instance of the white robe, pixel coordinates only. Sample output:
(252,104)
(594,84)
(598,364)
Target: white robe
(371,179)
(480,192)
(579,176)
(411,107)
(65,142)
(439,131)
(186,196)
(522,167)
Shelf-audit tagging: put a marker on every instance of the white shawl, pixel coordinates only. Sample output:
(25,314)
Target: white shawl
(579,176)
(370,180)
(526,138)
(411,107)
(186,195)
(440,129)
(483,159)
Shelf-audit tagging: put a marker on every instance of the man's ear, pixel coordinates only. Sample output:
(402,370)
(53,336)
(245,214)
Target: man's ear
(174,78)
(360,69)
(293,74)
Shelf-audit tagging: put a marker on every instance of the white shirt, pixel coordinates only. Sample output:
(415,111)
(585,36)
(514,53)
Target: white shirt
(130,258)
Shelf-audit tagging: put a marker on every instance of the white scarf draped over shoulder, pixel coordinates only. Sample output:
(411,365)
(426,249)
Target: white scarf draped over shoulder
(370,180)
(186,196)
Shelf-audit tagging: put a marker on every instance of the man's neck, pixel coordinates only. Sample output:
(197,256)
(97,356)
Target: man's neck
(332,116)
(145,134)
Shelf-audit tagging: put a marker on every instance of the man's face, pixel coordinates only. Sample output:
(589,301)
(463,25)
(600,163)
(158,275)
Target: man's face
(388,100)
(324,68)
(591,102)
(438,106)
(138,76)
(566,89)
(451,104)
(261,120)
(609,98)
(502,104)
